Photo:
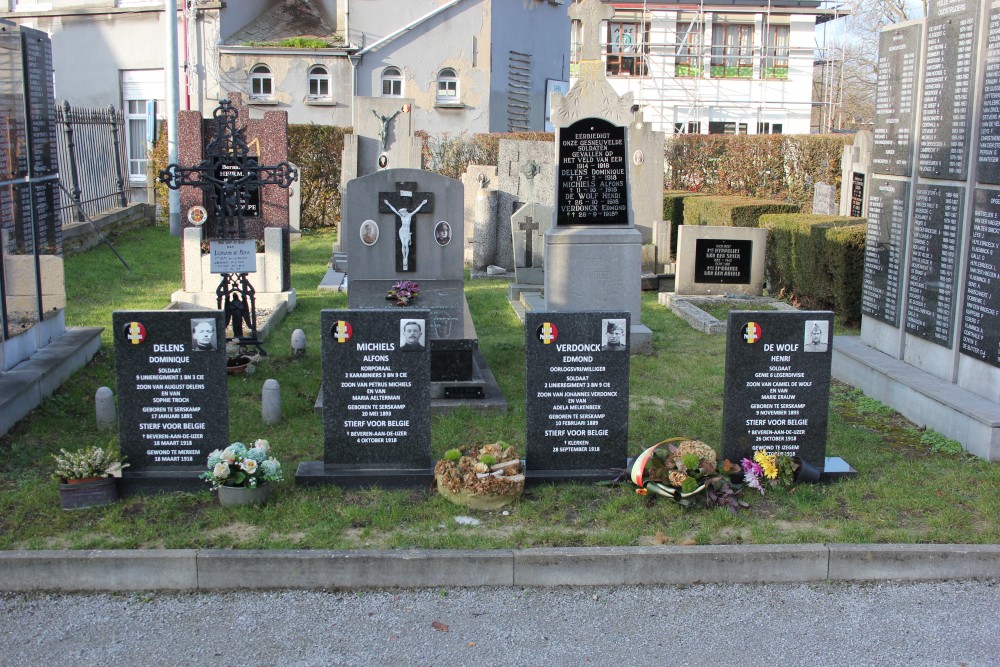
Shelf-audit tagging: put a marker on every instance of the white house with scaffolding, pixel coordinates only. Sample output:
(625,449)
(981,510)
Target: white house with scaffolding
(718,66)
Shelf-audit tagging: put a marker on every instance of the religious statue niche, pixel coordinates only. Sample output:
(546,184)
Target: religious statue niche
(232,179)
(405,203)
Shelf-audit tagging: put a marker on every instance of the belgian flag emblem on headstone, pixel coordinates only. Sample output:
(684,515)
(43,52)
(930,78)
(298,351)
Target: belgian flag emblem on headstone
(751,332)
(547,333)
(135,333)
(342,331)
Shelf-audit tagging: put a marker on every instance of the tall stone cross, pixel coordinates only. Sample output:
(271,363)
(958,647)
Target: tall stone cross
(229,175)
(529,226)
(405,203)
(590,13)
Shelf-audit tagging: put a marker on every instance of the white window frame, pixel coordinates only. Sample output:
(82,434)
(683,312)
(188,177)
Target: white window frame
(261,74)
(139,87)
(394,77)
(320,75)
(30,5)
(447,90)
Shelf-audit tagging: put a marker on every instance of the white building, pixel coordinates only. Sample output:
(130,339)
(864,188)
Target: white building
(719,67)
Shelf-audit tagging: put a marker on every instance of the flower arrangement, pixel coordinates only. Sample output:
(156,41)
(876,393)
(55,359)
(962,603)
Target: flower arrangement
(240,357)
(87,463)
(773,470)
(689,473)
(484,477)
(403,292)
(239,465)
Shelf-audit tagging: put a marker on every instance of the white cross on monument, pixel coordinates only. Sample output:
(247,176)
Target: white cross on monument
(590,13)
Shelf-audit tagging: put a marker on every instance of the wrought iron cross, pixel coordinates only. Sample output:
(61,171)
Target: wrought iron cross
(230,176)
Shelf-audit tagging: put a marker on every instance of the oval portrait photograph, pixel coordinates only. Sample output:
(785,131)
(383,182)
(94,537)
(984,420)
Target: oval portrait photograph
(442,233)
(369,232)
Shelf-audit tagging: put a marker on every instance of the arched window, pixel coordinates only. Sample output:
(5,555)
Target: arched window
(319,82)
(447,85)
(261,81)
(392,82)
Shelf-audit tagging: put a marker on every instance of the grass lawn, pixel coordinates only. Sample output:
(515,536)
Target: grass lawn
(913,486)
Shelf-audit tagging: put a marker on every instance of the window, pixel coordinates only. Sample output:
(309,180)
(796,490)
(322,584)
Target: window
(447,86)
(628,44)
(140,92)
(768,128)
(719,127)
(319,82)
(774,65)
(31,5)
(261,82)
(732,50)
(687,53)
(691,127)
(392,82)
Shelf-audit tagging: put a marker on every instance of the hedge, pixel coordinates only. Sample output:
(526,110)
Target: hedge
(451,155)
(317,150)
(732,211)
(817,261)
(673,210)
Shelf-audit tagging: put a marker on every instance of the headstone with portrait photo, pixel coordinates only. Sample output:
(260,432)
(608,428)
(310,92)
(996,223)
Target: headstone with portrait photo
(376,400)
(170,369)
(778,388)
(577,388)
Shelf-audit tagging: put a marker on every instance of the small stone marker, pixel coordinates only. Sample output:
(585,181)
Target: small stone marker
(778,386)
(716,260)
(577,394)
(170,368)
(270,401)
(298,343)
(825,200)
(376,400)
(104,407)
(528,227)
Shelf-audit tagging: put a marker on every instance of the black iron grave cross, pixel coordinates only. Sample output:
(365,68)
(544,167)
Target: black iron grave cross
(232,179)
(405,203)
(529,227)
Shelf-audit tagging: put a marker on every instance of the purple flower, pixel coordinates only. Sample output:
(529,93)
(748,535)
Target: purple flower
(752,473)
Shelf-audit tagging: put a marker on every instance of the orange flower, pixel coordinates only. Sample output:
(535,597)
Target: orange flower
(641,491)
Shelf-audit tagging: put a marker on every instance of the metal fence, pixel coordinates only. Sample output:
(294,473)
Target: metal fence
(92,160)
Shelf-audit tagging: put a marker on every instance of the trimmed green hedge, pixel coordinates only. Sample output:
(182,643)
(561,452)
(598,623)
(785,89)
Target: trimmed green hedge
(732,211)
(817,261)
(673,210)
(318,150)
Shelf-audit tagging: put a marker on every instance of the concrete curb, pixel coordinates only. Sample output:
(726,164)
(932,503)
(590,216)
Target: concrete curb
(214,569)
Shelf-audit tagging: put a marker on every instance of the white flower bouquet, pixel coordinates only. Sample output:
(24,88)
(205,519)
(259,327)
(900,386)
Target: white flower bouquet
(239,465)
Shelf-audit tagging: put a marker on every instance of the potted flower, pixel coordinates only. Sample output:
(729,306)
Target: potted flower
(483,478)
(688,472)
(242,474)
(239,359)
(87,477)
(403,292)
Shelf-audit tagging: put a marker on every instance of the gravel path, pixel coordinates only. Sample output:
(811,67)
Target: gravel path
(950,623)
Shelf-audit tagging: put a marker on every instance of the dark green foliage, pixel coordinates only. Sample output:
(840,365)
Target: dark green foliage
(673,210)
(318,151)
(731,211)
(818,261)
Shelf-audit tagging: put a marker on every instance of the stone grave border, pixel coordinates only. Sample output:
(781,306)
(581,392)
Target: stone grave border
(687,308)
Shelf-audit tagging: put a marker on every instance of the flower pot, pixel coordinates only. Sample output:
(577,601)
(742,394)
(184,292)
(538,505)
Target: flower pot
(77,494)
(237,365)
(234,496)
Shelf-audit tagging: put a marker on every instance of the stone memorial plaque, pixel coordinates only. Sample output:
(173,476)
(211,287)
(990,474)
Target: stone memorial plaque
(592,183)
(249,196)
(233,256)
(898,60)
(376,396)
(989,130)
(888,202)
(857,195)
(947,91)
(722,261)
(577,393)
(170,369)
(777,384)
(981,309)
(14,146)
(937,224)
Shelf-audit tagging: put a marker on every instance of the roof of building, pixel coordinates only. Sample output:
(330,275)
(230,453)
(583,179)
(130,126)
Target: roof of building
(288,19)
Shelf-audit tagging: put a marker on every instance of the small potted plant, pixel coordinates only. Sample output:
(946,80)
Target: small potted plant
(483,478)
(87,477)
(239,360)
(403,292)
(242,474)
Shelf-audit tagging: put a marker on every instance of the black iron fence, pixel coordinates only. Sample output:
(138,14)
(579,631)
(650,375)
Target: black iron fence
(92,162)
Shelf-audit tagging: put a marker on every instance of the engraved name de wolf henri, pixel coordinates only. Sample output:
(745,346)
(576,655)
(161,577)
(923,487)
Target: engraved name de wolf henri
(592,185)
(228,174)
(405,203)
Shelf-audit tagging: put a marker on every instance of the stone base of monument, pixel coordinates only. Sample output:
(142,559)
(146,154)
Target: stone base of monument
(333,281)
(533,477)
(264,326)
(836,468)
(919,396)
(688,308)
(148,483)
(316,473)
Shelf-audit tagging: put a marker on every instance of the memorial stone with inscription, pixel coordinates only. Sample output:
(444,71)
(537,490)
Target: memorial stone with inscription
(777,384)
(988,156)
(376,400)
(887,218)
(172,396)
(577,381)
(895,101)
(981,307)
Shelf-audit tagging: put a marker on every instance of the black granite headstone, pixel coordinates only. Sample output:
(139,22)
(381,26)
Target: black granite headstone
(895,100)
(723,261)
(376,400)
(988,170)
(172,397)
(857,195)
(887,215)
(577,389)
(937,224)
(592,181)
(947,92)
(777,384)
(981,309)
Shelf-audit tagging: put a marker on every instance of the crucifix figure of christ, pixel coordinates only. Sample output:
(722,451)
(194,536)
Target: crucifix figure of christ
(529,227)
(384,128)
(405,203)
(228,175)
